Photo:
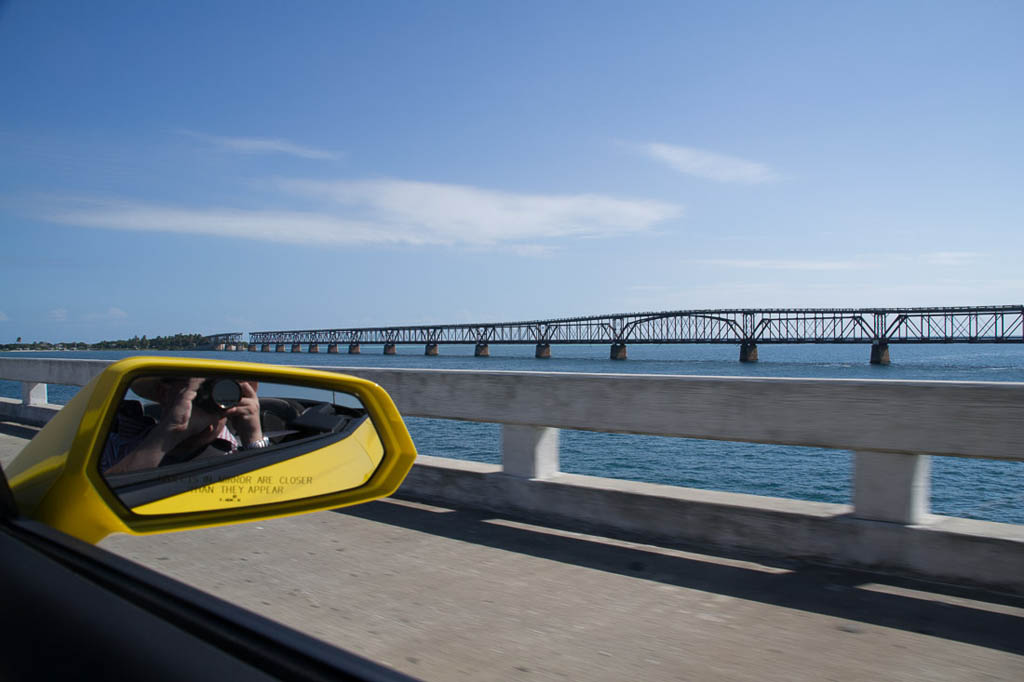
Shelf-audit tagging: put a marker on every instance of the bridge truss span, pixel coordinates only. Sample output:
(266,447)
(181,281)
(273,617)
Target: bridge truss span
(747,327)
(222,341)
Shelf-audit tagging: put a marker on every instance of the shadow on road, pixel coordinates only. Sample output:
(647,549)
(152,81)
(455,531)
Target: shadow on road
(919,606)
(18,430)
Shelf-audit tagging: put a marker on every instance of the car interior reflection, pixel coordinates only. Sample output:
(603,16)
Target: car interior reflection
(291,427)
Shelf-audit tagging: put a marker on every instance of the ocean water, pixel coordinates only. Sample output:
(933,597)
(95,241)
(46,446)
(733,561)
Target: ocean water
(978,489)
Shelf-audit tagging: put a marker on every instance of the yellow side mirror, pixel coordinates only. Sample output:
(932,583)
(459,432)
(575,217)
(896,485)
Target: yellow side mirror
(162,444)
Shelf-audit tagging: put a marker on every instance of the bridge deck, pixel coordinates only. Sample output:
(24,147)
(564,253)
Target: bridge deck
(991,324)
(445,594)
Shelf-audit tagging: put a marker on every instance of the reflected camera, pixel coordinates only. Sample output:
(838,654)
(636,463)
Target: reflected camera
(217,395)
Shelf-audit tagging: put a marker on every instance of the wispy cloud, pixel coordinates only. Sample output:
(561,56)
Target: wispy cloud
(709,165)
(261,145)
(462,213)
(805,265)
(293,227)
(649,288)
(111,313)
(59,314)
(951,258)
(529,250)
(388,212)
(864,262)
(3,316)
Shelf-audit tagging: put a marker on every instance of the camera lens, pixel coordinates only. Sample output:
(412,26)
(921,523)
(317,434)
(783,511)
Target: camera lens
(225,393)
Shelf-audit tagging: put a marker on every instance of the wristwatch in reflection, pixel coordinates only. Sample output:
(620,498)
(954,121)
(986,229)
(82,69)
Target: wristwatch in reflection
(261,443)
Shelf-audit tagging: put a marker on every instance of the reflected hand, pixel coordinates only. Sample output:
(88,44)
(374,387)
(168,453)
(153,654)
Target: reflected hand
(181,419)
(245,416)
(179,423)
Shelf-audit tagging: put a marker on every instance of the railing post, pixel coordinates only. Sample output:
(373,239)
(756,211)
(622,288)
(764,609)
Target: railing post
(529,451)
(33,393)
(891,487)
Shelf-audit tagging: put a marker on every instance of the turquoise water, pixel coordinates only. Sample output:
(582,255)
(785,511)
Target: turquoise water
(969,488)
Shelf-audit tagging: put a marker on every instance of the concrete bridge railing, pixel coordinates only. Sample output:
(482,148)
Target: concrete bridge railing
(893,428)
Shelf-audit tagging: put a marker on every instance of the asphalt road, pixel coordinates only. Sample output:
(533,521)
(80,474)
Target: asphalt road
(449,594)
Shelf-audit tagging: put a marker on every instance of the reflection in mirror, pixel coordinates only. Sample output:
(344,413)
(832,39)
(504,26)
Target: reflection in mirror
(186,444)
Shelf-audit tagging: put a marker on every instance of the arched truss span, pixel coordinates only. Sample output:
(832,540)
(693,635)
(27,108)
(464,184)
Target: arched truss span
(992,324)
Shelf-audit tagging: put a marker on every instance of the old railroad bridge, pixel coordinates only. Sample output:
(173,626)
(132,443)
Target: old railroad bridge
(746,328)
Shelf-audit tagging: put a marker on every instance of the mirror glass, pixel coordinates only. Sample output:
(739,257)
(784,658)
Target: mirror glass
(199,443)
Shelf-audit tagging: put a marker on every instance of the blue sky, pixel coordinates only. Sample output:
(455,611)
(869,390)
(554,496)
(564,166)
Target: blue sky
(176,166)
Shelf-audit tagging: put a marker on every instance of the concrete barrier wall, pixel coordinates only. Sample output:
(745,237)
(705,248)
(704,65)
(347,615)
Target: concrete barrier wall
(950,418)
(964,419)
(962,551)
(892,426)
(51,371)
(16,410)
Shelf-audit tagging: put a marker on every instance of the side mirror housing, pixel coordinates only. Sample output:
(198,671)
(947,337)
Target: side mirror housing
(331,441)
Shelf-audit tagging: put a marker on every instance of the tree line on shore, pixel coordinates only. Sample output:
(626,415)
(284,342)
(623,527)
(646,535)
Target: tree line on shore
(175,342)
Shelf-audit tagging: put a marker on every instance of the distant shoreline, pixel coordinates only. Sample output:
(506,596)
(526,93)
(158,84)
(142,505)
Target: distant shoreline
(98,350)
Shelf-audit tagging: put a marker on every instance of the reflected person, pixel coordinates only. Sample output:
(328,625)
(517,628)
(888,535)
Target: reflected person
(187,428)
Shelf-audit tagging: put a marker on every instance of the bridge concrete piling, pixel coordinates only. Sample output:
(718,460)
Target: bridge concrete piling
(296,347)
(879,353)
(332,348)
(543,351)
(430,349)
(353,349)
(529,451)
(314,348)
(229,347)
(389,349)
(33,393)
(265,348)
(219,346)
(482,350)
(279,348)
(618,351)
(748,352)
(891,487)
